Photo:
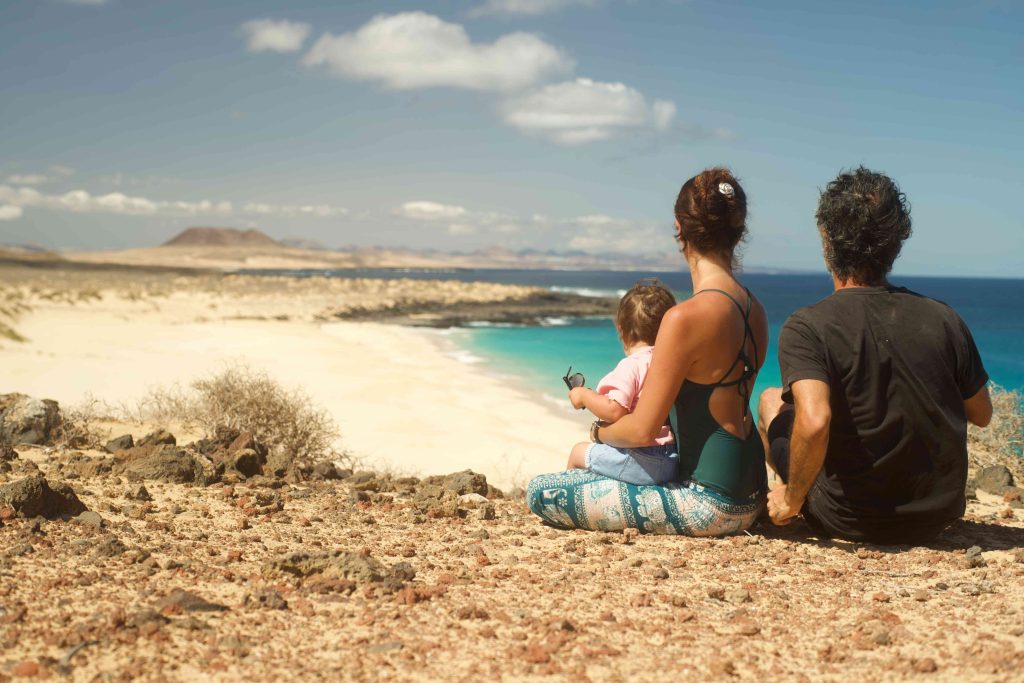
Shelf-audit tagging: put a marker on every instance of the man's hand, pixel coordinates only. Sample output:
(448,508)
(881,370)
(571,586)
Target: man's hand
(576,395)
(780,511)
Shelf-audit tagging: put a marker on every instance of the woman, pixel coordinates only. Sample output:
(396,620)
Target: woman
(706,358)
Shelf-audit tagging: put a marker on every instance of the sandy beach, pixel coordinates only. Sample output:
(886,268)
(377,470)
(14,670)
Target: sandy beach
(401,399)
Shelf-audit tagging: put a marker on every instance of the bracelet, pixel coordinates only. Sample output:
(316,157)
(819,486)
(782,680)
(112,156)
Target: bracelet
(593,431)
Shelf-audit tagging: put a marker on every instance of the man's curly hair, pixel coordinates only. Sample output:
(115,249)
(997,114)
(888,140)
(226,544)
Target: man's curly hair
(864,219)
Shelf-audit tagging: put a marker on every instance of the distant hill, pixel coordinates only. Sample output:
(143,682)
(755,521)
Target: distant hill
(300,243)
(221,237)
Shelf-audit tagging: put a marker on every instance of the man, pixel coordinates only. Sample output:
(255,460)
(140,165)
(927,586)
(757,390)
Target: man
(869,431)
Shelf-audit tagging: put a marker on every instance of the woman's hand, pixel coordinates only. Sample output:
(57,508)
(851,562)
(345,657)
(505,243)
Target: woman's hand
(577,396)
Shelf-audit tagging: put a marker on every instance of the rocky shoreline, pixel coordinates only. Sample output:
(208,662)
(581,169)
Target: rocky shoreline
(204,296)
(535,309)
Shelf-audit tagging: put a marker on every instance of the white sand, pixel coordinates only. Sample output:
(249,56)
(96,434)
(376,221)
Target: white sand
(400,400)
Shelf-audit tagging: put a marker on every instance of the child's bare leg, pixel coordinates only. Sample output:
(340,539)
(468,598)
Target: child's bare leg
(578,456)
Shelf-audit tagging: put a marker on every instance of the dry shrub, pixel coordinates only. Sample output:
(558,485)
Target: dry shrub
(1002,442)
(246,400)
(78,427)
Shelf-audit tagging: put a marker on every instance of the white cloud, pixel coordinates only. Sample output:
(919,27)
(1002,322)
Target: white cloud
(527,7)
(429,211)
(583,110)
(267,35)
(663,113)
(317,210)
(9,212)
(63,171)
(27,179)
(604,235)
(417,50)
(461,229)
(81,201)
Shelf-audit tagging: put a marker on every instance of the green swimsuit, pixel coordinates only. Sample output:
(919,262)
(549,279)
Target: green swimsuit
(708,454)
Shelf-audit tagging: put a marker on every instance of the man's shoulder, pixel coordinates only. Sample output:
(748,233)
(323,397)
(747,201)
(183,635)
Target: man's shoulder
(812,314)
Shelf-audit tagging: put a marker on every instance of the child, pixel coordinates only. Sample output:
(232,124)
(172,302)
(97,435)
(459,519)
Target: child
(639,316)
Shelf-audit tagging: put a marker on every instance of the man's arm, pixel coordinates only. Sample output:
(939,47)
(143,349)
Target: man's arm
(807,446)
(979,408)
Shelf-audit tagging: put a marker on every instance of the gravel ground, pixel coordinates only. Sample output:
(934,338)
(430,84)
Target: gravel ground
(378,578)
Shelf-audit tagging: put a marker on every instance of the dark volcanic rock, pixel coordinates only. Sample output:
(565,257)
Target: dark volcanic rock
(7,452)
(247,462)
(533,309)
(27,420)
(325,470)
(159,463)
(160,437)
(81,466)
(337,564)
(138,492)
(466,481)
(91,519)
(111,547)
(235,450)
(267,598)
(994,479)
(34,496)
(120,443)
(188,602)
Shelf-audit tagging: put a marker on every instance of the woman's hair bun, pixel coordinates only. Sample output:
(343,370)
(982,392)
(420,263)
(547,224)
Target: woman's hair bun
(712,211)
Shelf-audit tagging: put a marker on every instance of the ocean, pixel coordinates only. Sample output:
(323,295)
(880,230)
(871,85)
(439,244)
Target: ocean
(537,357)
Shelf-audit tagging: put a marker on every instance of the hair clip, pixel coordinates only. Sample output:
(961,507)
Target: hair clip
(726,189)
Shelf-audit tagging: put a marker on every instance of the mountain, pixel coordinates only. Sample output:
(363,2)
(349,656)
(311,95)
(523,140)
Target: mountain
(301,243)
(221,237)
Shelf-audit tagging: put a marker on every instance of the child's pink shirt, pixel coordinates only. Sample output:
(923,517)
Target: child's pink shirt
(624,384)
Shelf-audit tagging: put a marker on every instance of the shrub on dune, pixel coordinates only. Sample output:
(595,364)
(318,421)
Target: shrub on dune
(1002,442)
(245,400)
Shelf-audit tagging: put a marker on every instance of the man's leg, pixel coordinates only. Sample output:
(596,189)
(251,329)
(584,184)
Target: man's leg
(775,424)
(768,407)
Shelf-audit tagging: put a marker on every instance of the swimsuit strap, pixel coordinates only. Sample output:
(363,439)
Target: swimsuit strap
(748,366)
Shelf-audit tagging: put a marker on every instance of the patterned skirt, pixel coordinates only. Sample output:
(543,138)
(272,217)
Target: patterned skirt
(581,499)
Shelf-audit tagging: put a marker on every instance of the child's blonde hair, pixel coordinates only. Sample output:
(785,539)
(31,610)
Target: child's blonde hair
(641,310)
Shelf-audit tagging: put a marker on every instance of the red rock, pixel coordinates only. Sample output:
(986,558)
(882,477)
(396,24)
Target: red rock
(747,628)
(26,669)
(926,665)
(535,654)
(1006,514)
(880,597)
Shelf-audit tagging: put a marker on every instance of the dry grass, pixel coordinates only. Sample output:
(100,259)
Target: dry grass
(239,398)
(78,427)
(1002,442)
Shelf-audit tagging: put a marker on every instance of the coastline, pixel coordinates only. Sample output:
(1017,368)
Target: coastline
(402,401)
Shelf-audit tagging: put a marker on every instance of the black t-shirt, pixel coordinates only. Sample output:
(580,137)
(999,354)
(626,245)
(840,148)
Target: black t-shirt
(899,367)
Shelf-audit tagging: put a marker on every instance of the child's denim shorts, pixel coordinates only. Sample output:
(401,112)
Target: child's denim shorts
(647,466)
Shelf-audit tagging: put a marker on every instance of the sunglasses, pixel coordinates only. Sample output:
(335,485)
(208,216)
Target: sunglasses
(573,380)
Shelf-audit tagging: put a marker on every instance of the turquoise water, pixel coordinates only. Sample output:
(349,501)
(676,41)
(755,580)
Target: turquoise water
(541,355)
(993,309)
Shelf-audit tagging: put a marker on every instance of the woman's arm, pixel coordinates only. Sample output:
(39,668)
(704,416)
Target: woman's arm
(673,357)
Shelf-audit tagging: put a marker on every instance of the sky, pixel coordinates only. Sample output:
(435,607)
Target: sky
(547,124)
